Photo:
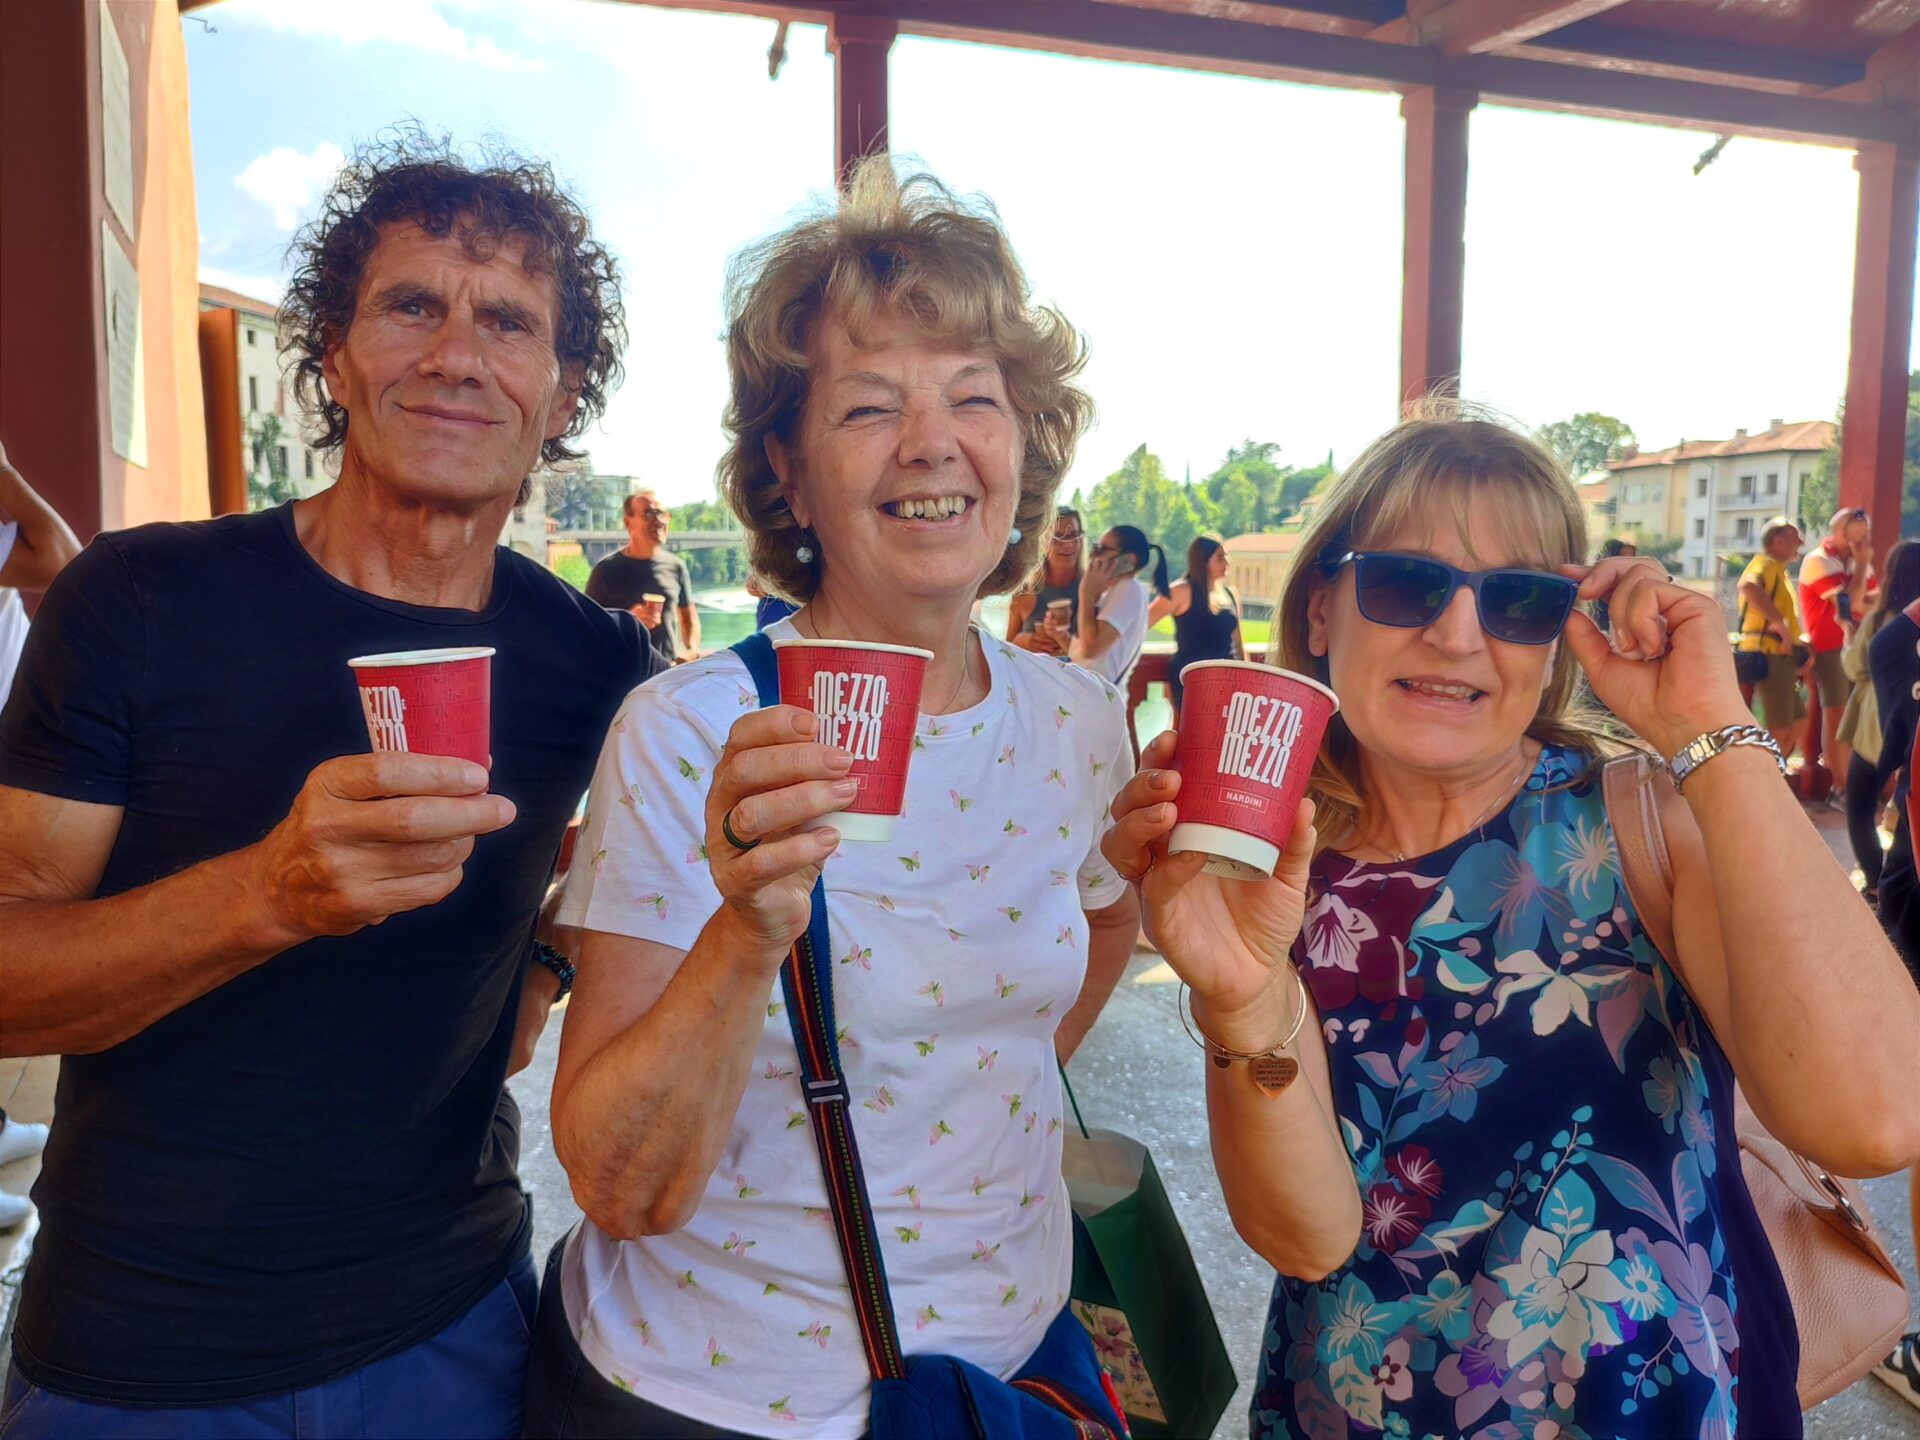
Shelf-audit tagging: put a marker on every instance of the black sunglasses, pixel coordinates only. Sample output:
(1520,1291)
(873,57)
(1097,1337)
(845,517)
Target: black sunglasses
(1520,607)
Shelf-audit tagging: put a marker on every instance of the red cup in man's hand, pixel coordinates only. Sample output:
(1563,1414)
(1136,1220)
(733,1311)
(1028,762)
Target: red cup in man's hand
(429,702)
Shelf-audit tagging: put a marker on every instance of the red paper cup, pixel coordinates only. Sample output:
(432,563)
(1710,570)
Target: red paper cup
(1248,735)
(865,699)
(429,702)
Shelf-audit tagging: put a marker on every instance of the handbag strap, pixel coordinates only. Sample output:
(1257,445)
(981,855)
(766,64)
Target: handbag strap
(1646,869)
(806,979)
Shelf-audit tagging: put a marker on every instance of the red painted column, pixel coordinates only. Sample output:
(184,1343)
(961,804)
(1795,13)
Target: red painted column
(1434,282)
(859,44)
(1874,430)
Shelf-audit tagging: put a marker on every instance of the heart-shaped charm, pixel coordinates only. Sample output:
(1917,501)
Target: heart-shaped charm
(1274,1073)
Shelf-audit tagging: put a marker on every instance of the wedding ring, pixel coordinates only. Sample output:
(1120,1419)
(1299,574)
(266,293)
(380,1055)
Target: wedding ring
(726,829)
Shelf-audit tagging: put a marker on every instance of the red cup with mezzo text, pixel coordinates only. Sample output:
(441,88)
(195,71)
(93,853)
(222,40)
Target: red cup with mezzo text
(865,699)
(1248,736)
(429,702)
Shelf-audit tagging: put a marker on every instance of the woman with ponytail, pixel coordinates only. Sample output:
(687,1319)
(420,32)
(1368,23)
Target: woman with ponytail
(1117,610)
(1206,614)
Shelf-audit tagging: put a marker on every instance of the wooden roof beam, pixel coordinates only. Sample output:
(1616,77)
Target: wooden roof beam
(1353,20)
(1893,75)
(1472,27)
(1100,31)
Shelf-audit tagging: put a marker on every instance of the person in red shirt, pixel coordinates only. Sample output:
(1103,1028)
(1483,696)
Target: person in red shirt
(1833,598)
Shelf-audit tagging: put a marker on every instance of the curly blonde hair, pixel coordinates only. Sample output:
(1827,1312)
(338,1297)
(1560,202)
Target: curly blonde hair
(893,247)
(1434,464)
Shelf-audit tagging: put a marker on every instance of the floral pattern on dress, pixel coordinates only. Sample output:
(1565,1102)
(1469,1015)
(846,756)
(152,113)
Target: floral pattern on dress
(1529,1098)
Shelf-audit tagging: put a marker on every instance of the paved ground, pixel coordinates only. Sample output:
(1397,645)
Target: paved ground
(1138,1073)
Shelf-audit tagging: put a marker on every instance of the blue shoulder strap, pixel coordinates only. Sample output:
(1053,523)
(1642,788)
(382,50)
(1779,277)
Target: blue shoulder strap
(806,979)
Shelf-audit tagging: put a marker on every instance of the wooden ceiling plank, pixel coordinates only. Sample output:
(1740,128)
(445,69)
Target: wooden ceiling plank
(1255,12)
(1473,27)
(1188,36)
(1893,72)
(1126,33)
(1552,52)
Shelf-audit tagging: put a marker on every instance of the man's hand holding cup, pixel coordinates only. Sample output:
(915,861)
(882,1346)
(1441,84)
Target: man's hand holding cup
(371,836)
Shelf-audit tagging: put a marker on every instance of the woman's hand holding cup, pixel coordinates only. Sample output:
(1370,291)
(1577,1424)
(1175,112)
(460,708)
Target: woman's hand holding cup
(1668,673)
(1228,939)
(772,778)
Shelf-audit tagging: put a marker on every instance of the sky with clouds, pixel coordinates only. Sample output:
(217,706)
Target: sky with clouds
(1231,247)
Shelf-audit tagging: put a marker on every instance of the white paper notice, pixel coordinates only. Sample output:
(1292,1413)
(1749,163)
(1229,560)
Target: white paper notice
(126,363)
(116,122)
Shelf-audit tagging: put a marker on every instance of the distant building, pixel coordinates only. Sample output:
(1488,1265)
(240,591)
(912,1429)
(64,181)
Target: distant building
(1257,564)
(529,525)
(277,461)
(1716,495)
(1596,498)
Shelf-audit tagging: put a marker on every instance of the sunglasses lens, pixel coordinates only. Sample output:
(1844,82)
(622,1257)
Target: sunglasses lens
(1401,590)
(1523,608)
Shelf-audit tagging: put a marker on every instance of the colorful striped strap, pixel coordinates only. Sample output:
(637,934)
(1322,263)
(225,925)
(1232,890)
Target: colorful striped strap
(806,979)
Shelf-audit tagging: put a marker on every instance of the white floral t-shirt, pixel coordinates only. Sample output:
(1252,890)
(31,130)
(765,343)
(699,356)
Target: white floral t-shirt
(957,947)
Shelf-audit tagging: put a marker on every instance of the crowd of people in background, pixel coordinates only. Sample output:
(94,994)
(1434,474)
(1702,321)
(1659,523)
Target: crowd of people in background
(1454,1073)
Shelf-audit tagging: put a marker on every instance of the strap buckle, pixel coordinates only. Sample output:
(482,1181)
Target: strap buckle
(830,1091)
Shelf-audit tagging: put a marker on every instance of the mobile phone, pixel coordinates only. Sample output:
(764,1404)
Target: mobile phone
(1127,565)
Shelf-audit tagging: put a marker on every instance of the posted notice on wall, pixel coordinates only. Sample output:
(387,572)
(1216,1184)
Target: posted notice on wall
(126,362)
(116,122)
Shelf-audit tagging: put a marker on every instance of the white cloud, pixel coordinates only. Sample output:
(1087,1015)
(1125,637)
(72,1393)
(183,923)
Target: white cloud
(421,24)
(286,182)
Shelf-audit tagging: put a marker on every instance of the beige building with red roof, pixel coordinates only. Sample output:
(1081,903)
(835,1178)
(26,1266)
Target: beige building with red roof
(1717,495)
(1257,564)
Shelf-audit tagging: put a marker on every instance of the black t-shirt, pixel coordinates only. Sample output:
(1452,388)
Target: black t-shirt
(1893,660)
(312,1166)
(619,581)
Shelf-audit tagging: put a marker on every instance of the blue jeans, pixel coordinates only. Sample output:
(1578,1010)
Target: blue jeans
(466,1381)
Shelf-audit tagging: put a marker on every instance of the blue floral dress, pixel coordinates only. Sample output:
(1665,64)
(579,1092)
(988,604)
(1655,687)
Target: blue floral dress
(1557,1241)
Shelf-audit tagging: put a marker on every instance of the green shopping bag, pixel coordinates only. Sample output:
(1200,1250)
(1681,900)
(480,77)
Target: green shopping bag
(1137,1290)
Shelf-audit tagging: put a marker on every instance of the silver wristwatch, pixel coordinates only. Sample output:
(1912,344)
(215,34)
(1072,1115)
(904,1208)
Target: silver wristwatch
(1702,748)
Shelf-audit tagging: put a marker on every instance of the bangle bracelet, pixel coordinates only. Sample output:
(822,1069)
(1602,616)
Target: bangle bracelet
(1270,1070)
(1702,748)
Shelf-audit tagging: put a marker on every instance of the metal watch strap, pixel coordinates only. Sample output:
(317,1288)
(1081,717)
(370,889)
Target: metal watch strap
(1702,748)
(548,958)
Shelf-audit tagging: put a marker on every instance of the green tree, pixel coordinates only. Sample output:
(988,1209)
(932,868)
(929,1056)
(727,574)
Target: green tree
(269,482)
(1820,491)
(1238,499)
(582,500)
(1141,493)
(1664,548)
(1299,485)
(1583,441)
(1251,462)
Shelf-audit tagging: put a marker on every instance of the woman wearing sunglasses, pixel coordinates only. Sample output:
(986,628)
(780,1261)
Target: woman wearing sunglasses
(1553,1237)
(1041,617)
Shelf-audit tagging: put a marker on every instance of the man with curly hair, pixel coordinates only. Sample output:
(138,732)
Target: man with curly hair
(289,977)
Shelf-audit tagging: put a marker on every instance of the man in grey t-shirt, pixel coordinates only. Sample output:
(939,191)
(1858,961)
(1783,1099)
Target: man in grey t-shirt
(624,579)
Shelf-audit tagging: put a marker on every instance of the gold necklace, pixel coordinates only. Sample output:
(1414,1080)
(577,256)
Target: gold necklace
(1480,825)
